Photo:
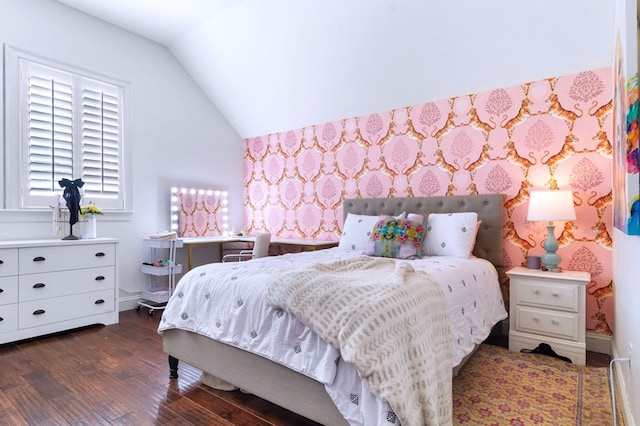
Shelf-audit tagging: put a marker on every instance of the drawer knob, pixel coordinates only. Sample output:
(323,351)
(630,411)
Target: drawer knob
(555,294)
(1,319)
(39,285)
(1,262)
(99,301)
(536,292)
(1,290)
(100,254)
(38,312)
(554,321)
(99,278)
(536,319)
(39,259)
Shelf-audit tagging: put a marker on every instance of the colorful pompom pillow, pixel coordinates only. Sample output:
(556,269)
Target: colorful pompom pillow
(357,231)
(451,234)
(397,238)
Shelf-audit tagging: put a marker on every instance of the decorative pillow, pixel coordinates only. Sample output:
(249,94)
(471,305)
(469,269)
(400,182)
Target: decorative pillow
(397,238)
(422,218)
(357,231)
(451,234)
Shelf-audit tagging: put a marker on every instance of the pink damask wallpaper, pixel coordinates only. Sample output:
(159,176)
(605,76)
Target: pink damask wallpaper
(553,133)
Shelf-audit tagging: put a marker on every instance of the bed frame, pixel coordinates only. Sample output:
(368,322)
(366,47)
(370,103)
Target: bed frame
(228,367)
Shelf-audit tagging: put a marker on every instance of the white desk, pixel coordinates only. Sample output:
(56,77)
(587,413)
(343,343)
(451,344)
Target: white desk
(192,242)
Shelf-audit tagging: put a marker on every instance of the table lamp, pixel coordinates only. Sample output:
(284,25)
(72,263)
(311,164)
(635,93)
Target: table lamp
(547,206)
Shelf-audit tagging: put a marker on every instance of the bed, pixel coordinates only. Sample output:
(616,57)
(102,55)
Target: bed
(312,386)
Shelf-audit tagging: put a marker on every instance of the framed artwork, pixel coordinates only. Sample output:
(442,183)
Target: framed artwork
(626,215)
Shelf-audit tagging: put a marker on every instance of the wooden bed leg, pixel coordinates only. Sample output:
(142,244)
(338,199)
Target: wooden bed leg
(173,367)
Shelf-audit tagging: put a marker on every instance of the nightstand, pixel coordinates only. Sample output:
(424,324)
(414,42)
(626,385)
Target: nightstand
(548,307)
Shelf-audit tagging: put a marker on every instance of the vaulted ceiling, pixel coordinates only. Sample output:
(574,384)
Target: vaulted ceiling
(275,65)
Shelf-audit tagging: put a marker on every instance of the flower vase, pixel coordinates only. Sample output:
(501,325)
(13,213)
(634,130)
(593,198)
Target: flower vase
(91,226)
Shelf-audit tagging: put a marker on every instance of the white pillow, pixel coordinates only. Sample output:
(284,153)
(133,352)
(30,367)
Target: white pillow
(451,234)
(357,231)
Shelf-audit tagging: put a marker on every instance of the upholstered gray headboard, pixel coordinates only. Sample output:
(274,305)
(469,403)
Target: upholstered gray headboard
(489,242)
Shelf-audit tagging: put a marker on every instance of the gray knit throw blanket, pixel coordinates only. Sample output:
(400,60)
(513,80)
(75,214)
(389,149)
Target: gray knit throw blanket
(388,320)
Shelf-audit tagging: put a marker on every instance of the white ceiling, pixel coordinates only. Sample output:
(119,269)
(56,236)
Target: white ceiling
(276,65)
(162,21)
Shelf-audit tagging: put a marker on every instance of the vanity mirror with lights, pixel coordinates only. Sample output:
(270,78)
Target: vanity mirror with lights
(199,212)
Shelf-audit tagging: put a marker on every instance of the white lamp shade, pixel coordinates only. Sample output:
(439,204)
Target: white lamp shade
(550,206)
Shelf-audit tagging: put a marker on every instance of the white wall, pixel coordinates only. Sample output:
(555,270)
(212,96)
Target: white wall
(627,318)
(177,135)
(625,255)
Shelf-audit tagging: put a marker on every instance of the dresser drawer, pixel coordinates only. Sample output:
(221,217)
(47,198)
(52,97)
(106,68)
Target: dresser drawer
(8,262)
(59,258)
(8,319)
(54,284)
(549,323)
(47,311)
(553,295)
(8,290)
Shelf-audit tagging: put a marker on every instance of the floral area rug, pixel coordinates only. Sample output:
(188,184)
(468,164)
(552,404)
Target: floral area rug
(498,387)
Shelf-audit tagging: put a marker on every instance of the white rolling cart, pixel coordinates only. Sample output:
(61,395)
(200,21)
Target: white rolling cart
(157,293)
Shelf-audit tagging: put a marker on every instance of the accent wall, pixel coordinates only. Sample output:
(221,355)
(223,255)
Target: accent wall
(554,133)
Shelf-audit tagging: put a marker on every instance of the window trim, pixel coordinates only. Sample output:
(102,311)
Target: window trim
(14,146)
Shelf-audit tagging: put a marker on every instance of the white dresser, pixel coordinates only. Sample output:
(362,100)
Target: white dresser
(548,307)
(47,286)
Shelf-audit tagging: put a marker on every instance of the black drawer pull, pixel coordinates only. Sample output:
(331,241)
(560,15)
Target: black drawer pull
(1,319)
(1,262)
(100,254)
(1,290)
(39,259)
(99,278)
(38,312)
(99,301)
(39,285)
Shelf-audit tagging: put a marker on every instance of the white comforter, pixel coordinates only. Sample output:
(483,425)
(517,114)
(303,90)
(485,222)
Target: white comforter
(226,302)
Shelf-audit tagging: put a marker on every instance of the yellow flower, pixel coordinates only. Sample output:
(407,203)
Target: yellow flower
(90,209)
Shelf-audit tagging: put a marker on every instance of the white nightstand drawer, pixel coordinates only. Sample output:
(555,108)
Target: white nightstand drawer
(551,323)
(8,290)
(553,295)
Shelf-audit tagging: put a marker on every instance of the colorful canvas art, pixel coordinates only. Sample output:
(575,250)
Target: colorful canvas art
(626,215)
(631,155)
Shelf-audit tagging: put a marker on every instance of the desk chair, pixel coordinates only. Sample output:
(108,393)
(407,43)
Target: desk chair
(260,249)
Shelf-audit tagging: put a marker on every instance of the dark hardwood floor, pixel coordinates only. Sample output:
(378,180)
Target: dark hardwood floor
(118,375)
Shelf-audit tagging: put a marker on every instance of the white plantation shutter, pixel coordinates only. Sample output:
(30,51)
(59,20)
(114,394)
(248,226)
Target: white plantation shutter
(50,126)
(101,142)
(71,128)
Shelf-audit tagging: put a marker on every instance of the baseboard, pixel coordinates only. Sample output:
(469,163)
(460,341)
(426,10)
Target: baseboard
(598,343)
(129,302)
(624,394)
(595,342)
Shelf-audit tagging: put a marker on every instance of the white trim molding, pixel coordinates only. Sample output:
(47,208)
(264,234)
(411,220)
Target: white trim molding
(598,343)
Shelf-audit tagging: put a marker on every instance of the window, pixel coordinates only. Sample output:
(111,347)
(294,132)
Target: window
(70,125)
